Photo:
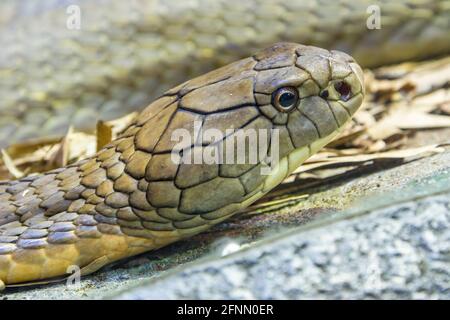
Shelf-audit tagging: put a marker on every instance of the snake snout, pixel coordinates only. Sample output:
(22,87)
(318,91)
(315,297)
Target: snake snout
(347,81)
(312,91)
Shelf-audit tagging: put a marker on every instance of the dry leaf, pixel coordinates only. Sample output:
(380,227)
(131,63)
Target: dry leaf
(395,154)
(10,166)
(104,134)
(445,107)
(420,120)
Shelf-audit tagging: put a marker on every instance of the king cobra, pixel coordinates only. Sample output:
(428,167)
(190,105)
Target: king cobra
(131,196)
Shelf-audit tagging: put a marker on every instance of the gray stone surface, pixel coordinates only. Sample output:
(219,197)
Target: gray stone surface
(401,251)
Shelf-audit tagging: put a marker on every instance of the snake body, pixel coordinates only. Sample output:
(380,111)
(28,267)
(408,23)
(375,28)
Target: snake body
(132,197)
(126,53)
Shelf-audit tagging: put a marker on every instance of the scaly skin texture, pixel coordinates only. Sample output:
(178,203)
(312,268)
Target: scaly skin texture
(129,52)
(131,197)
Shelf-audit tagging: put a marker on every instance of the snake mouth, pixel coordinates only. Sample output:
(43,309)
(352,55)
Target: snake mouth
(288,164)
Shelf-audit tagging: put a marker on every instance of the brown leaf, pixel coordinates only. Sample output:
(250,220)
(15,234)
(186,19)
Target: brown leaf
(104,134)
(9,164)
(395,154)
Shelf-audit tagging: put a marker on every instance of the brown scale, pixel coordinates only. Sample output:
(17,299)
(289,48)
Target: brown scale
(131,197)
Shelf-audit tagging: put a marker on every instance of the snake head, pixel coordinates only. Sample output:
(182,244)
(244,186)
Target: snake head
(304,94)
(313,92)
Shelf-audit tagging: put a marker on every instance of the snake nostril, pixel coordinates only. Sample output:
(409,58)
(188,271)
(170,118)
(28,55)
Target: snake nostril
(324,94)
(344,89)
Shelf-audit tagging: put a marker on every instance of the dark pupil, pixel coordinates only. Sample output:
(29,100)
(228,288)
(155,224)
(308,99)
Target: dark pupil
(343,89)
(287,99)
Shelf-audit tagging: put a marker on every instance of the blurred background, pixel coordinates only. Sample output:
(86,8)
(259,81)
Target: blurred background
(76,62)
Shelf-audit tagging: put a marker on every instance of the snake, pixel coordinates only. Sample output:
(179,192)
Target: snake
(132,197)
(124,54)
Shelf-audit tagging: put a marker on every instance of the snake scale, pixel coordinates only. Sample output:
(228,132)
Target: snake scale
(127,53)
(132,197)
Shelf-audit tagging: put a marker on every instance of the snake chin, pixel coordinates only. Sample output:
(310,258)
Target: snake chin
(295,159)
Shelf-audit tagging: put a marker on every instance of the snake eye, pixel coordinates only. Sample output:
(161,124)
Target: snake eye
(285,99)
(344,90)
